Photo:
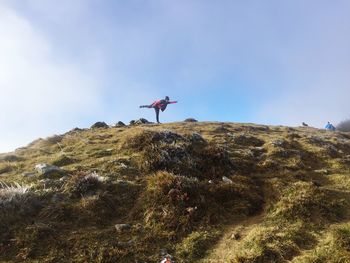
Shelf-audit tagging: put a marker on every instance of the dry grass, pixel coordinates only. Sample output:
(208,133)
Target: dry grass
(288,200)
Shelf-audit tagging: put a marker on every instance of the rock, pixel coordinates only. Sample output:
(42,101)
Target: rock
(120,124)
(28,174)
(279,143)
(236,236)
(122,227)
(226,180)
(123,166)
(125,244)
(132,122)
(99,124)
(141,121)
(322,171)
(191,210)
(45,181)
(63,178)
(45,169)
(57,198)
(163,252)
(76,129)
(190,120)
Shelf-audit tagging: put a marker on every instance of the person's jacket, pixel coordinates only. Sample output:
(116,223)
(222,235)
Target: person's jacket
(162,104)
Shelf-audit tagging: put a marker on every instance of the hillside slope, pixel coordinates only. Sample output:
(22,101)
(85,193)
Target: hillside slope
(204,192)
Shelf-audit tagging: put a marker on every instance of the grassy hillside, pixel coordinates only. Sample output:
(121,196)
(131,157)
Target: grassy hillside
(204,192)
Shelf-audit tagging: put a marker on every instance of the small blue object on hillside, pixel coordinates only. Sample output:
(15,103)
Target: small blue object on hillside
(329,127)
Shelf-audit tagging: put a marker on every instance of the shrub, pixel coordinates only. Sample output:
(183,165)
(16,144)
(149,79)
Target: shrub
(16,200)
(178,203)
(83,184)
(146,138)
(188,155)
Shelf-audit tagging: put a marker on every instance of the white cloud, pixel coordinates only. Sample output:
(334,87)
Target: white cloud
(40,93)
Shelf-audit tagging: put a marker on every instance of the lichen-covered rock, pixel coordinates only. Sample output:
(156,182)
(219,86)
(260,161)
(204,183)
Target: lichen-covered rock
(190,120)
(47,170)
(120,124)
(99,124)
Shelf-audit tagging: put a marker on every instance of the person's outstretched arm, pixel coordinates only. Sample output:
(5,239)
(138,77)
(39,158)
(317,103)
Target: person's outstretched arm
(172,102)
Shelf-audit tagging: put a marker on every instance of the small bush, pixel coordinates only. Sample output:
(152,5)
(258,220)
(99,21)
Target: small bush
(16,200)
(83,184)
(146,138)
(169,157)
(188,155)
(168,197)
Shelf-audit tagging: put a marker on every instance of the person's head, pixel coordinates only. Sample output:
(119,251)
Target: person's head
(167,98)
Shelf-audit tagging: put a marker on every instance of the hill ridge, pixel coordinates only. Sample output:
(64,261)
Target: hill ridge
(123,194)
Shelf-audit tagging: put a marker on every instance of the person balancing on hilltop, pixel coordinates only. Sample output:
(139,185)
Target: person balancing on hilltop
(159,105)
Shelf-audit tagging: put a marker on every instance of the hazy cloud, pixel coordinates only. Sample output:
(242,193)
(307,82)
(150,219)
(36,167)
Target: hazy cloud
(39,95)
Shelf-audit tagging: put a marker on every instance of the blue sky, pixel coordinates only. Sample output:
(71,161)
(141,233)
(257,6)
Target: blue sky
(71,63)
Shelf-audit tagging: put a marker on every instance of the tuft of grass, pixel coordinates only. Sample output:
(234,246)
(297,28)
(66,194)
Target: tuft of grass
(306,201)
(82,184)
(273,243)
(168,198)
(194,246)
(334,247)
(188,155)
(145,138)
(16,201)
(247,140)
(63,160)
